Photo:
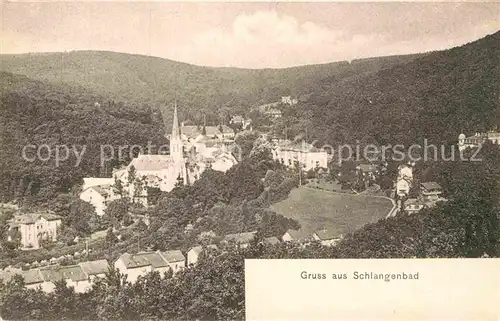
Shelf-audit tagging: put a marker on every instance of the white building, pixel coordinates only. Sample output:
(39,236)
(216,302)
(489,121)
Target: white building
(297,236)
(95,269)
(191,153)
(35,227)
(142,263)
(79,276)
(478,139)
(194,253)
(240,239)
(327,237)
(175,259)
(289,100)
(413,205)
(99,196)
(96,181)
(309,157)
(404,180)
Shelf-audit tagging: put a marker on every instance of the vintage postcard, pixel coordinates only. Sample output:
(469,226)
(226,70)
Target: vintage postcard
(249,160)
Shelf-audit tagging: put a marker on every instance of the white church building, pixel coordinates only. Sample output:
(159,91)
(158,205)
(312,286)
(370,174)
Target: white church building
(187,160)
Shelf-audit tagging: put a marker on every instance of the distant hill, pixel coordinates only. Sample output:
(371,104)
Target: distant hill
(154,82)
(435,96)
(34,114)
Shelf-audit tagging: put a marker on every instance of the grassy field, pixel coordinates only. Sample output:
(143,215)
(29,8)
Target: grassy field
(339,213)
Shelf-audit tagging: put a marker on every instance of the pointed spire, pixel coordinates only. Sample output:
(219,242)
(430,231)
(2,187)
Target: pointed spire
(175,126)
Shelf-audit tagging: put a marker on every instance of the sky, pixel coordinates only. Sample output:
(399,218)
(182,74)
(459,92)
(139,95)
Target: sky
(247,35)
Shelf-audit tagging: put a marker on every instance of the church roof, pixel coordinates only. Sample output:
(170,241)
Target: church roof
(151,162)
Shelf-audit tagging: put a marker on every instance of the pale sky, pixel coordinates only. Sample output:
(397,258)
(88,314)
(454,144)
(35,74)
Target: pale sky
(249,35)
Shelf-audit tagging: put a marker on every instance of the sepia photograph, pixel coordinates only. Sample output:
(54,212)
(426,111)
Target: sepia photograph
(205,160)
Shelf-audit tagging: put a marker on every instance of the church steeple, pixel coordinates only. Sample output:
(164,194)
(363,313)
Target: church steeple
(175,126)
(176,151)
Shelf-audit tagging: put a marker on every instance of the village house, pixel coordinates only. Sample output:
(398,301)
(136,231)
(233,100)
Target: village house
(221,132)
(288,100)
(142,263)
(175,259)
(367,170)
(240,120)
(478,139)
(33,279)
(79,276)
(306,155)
(273,240)
(35,227)
(297,237)
(403,187)
(327,237)
(270,110)
(413,205)
(95,269)
(98,196)
(240,239)
(404,180)
(73,275)
(431,191)
(96,181)
(194,253)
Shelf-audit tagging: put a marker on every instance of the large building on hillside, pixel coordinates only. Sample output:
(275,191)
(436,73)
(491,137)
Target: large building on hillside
(290,153)
(478,139)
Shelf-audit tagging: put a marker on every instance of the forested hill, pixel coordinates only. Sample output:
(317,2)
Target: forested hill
(35,113)
(436,96)
(144,80)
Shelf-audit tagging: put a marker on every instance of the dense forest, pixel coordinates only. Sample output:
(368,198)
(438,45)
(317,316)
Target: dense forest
(99,98)
(34,114)
(434,97)
(151,83)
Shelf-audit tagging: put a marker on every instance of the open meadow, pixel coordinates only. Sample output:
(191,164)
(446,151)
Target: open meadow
(316,209)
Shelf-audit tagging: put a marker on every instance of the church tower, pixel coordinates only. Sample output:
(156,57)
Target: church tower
(176,150)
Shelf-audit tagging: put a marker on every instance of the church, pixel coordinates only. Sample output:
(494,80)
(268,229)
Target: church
(189,157)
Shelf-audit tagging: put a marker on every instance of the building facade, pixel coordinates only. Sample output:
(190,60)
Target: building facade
(303,154)
(478,139)
(35,228)
(192,150)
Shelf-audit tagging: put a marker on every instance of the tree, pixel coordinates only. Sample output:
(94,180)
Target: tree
(111,239)
(118,188)
(79,217)
(117,209)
